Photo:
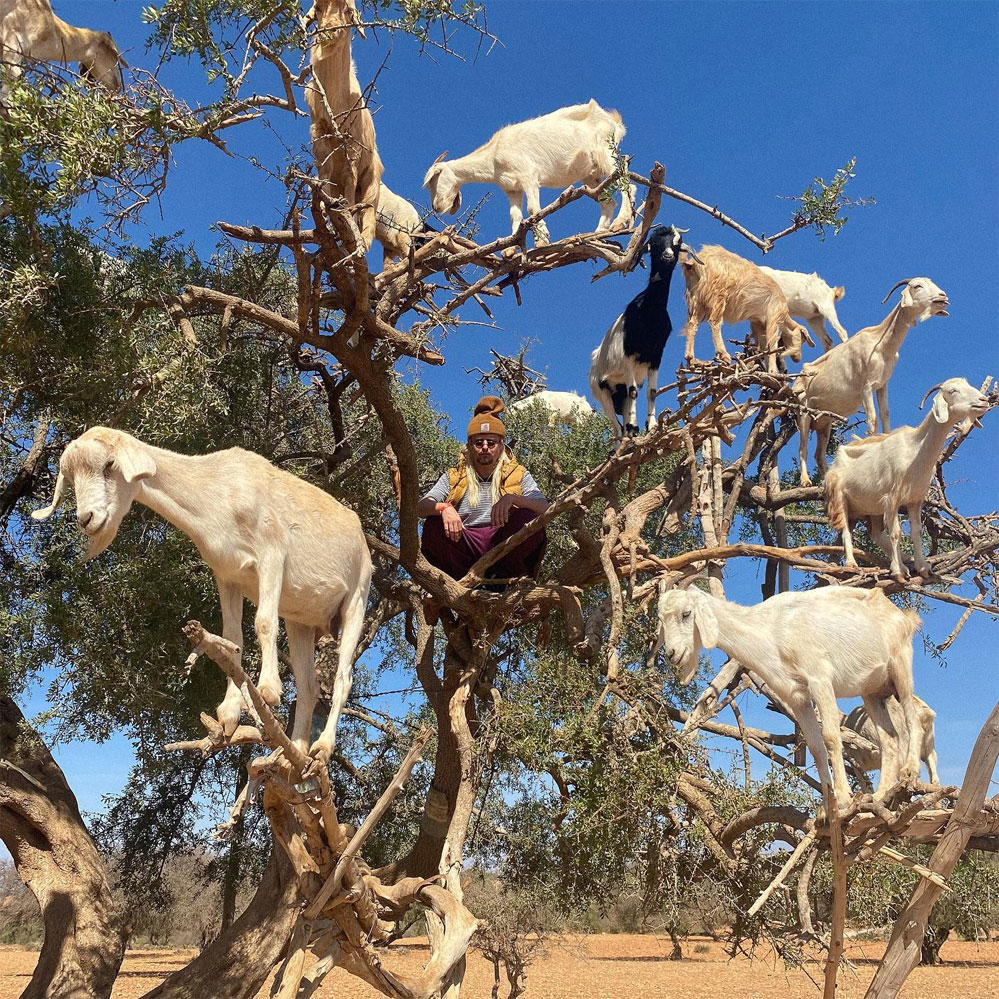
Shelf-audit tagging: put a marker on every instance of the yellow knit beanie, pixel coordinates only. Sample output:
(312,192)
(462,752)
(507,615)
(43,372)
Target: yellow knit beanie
(486,419)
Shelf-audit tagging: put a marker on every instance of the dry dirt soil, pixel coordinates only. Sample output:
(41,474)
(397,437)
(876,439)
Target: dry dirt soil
(618,966)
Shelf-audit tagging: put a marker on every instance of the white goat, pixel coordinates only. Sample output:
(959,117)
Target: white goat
(396,221)
(267,535)
(342,129)
(564,407)
(810,298)
(875,477)
(815,645)
(724,287)
(858,721)
(573,145)
(839,382)
(30,30)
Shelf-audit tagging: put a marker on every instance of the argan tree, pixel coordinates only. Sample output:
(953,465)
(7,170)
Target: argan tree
(553,748)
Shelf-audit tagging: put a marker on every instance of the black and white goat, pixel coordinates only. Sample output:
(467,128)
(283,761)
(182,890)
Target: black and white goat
(632,349)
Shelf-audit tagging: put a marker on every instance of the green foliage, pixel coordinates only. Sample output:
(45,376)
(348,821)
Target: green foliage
(879,890)
(823,202)
(211,30)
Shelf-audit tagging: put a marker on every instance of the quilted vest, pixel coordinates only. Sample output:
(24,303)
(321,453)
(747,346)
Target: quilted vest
(512,480)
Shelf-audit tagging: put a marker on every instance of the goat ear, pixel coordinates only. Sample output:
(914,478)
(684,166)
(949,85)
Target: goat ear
(135,463)
(838,292)
(941,411)
(707,624)
(806,336)
(658,641)
(47,511)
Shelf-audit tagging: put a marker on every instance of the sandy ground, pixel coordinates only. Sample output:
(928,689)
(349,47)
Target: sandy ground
(618,966)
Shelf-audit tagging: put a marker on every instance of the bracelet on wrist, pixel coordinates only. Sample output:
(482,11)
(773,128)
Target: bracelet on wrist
(441,506)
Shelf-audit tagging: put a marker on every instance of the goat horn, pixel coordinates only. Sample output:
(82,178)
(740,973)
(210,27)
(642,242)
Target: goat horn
(682,230)
(47,512)
(898,284)
(683,246)
(929,392)
(439,158)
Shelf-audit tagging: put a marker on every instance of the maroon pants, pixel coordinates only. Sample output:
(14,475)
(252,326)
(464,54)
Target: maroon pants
(457,557)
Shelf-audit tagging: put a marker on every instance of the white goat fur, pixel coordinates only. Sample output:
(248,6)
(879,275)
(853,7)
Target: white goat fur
(815,645)
(875,477)
(727,288)
(810,298)
(30,30)
(564,407)
(859,721)
(848,376)
(395,222)
(342,129)
(569,146)
(267,535)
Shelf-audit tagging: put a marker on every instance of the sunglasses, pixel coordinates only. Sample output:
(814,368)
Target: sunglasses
(484,442)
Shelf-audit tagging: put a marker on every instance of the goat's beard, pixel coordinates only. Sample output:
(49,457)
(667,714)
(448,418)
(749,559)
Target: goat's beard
(100,541)
(687,669)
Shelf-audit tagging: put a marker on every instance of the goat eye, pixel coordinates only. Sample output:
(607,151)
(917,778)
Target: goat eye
(108,466)
(685,615)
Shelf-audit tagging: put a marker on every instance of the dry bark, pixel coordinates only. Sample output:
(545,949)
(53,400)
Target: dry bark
(905,945)
(237,963)
(41,826)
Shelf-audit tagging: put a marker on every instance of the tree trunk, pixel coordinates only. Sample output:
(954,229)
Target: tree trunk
(936,937)
(236,964)
(905,946)
(230,880)
(676,954)
(55,857)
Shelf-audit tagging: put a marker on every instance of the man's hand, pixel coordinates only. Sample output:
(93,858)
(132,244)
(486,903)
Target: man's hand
(452,523)
(502,508)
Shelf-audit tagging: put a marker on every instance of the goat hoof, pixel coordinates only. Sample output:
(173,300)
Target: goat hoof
(925,573)
(900,577)
(271,695)
(228,717)
(320,752)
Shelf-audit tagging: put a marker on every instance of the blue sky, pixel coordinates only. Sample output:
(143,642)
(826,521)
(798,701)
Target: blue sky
(743,103)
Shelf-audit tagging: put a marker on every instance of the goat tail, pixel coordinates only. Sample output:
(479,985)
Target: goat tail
(836,503)
(913,622)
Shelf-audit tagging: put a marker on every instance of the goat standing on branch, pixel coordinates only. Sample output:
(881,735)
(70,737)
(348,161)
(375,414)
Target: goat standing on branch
(848,376)
(343,132)
(724,287)
(30,30)
(874,477)
(573,145)
(810,298)
(561,407)
(867,760)
(816,645)
(397,225)
(267,535)
(632,349)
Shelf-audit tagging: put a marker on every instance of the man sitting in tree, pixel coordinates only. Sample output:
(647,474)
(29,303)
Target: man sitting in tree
(485,499)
